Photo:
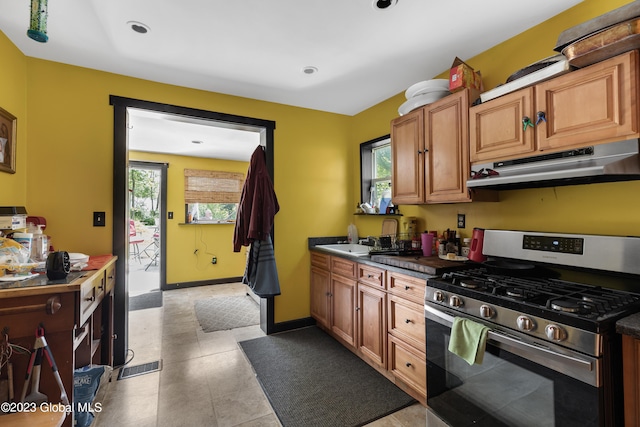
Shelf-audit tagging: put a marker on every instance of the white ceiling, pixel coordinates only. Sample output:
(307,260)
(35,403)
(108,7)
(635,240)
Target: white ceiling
(165,133)
(258,49)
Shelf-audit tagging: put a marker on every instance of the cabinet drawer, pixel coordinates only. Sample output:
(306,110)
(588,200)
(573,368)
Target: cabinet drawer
(406,320)
(320,260)
(405,286)
(408,364)
(371,276)
(91,293)
(343,267)
(110,277)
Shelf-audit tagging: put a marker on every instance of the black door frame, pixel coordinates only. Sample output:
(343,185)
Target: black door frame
(120,208)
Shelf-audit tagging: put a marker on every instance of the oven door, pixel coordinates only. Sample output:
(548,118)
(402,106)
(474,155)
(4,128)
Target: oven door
(518,384)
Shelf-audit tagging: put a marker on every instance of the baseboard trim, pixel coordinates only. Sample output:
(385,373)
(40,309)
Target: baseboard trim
(170,286)
(292,324)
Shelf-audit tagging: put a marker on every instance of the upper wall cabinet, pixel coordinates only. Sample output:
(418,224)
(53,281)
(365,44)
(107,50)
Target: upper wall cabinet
(593,105)
(430,154)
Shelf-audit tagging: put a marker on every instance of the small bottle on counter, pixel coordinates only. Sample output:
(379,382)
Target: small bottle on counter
(466,246)
(442,246)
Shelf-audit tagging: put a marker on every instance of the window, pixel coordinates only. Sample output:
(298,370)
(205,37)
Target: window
(212,196)
(375,172)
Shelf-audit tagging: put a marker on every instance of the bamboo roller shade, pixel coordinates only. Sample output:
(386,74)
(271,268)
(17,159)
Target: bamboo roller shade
(206,186)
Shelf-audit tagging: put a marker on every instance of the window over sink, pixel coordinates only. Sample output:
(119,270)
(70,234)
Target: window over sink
(375,171)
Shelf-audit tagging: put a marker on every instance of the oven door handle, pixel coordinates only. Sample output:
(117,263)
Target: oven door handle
(575,367)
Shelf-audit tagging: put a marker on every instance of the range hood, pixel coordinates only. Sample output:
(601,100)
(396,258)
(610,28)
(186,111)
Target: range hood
(616,161)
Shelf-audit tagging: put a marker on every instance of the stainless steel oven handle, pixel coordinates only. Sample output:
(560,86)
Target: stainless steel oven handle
(581,369)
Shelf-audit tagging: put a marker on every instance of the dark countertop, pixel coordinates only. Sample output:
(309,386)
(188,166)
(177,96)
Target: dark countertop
(417,266)
(629,325)
(432,265)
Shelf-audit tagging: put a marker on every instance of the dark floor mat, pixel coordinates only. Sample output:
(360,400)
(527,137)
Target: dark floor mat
(311,380)
(151,299)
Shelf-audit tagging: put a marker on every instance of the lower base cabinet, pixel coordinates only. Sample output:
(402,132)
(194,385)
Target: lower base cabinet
(409,366)
(376,314)
(371,325)
(631,367)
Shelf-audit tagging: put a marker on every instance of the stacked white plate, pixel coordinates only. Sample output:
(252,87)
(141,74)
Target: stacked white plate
(423,93)
(78,261)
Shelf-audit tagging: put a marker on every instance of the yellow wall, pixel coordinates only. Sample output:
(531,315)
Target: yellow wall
(598,208)
(13,90)
(184,264)
(66,171)
(70,163)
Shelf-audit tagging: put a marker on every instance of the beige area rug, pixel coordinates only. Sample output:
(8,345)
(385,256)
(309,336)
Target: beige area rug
(228,312)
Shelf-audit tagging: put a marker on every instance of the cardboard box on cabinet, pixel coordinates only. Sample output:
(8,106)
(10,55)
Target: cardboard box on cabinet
(462,76)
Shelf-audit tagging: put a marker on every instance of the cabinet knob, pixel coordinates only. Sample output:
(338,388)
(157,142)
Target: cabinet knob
(408,321)
(526,122)
(408,364)
(407,287)
(91,298)
(370,276)
(540,117)
(357,308)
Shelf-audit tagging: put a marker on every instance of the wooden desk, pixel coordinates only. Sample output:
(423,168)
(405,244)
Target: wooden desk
(77,319)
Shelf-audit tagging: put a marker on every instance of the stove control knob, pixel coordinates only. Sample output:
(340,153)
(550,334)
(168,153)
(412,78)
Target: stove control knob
(438,296)
(555,333)
(455,301)
(525,323)
(486,311)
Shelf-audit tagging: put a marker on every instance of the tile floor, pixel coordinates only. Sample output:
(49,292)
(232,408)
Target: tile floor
(205,378)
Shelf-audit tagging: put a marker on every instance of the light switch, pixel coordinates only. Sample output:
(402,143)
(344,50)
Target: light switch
(99,219)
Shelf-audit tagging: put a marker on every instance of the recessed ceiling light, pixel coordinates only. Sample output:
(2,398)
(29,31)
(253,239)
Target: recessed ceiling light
(384,4)
(197,142)
(310,70)
(138,27)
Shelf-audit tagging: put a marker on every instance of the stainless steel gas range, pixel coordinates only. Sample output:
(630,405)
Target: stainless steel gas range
(552,357)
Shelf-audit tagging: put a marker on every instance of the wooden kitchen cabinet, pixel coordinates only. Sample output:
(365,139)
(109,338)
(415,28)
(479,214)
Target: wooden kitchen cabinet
(406,333)
(321,289)
(333,295)
(430,154)
(371,316)
(343,302)
(407,154)
(631,374)
(77,318)
(593,105)
(376,313)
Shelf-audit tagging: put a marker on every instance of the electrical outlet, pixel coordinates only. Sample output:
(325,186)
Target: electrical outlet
(214,260)
(170,215)
(461,220)
(99,219)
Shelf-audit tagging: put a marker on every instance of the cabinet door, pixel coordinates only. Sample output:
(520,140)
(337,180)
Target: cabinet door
(320,296)
(371,321)
(631,366)
(447,149)
(496,130)
(343,317)
(593,105)
(407,153)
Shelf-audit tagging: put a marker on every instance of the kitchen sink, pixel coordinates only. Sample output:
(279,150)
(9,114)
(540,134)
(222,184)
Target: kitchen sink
(352,249)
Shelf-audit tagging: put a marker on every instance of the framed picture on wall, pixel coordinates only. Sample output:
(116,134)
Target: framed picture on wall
(7,141)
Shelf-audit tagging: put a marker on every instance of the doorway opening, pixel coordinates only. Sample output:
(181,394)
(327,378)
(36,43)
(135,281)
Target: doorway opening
(145,216)
(121,213)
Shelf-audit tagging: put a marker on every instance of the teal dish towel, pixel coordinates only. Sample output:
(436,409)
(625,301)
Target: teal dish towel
(468,340)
